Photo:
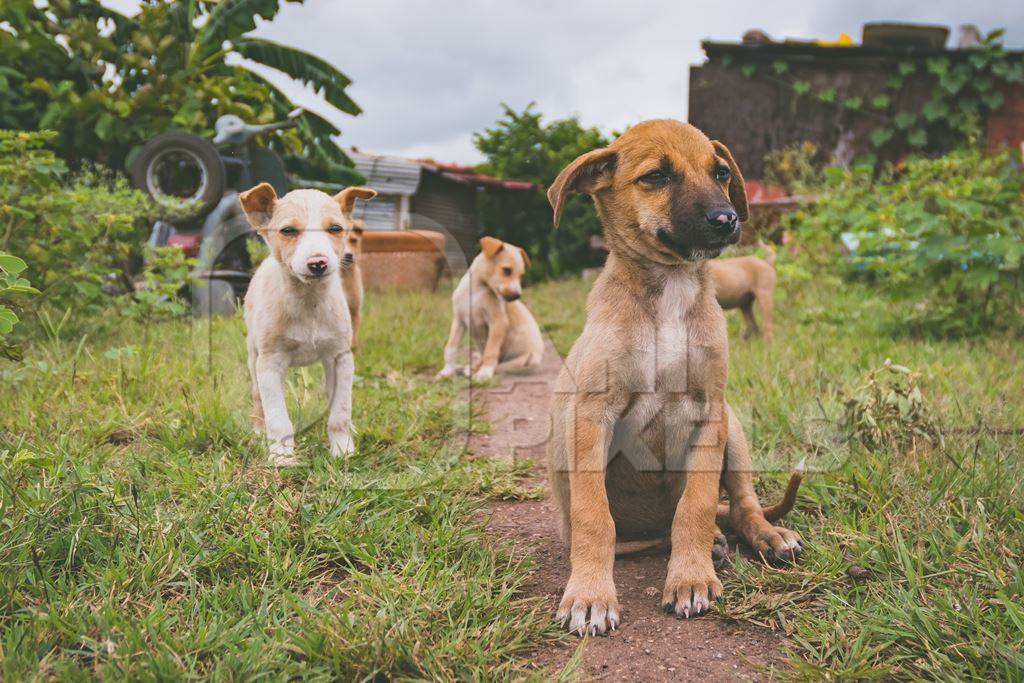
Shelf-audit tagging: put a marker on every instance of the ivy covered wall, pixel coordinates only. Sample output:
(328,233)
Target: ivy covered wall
(856,102)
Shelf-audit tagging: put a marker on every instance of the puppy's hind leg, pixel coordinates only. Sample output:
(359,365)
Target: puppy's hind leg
(744,513)
(750,323)
(339,373)
(765,303)
(519,364)
(258,424)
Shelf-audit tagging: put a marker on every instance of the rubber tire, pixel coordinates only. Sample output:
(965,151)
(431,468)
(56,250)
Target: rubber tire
(201,148)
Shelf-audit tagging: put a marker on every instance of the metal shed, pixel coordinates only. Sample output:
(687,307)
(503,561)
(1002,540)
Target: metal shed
(416,194)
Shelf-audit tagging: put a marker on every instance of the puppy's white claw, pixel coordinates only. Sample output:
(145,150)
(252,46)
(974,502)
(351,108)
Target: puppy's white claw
(578,618)
(446,372)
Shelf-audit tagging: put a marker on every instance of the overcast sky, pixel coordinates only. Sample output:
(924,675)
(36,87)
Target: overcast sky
(428,73)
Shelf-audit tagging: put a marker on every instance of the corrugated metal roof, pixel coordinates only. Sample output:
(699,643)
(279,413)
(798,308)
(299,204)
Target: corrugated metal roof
(379,214)
(388,175)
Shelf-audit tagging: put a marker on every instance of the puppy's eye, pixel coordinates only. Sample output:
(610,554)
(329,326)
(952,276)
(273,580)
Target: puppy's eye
(289,230)
(655,178)
(722,174)
(507,272)
(335,229)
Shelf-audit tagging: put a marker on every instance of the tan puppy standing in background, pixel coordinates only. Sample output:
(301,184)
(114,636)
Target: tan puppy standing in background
(352,276)
(742,281)
(295,310)
(642,435)
(486,303)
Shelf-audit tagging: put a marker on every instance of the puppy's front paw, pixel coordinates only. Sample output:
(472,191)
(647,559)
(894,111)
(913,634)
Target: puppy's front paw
(446,372)
(342,444)
(589,607)
(483,374)
(690,589)
(282,454)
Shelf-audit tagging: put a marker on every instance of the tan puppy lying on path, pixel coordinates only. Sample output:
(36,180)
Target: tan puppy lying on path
(486,302)
(741,282)
(295,309)
(642,436)
(352,276)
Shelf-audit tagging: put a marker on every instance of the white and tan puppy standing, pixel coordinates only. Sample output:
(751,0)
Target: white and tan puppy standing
(487,303)
(295,309)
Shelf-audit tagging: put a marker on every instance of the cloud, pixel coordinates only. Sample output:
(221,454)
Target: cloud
(429,73)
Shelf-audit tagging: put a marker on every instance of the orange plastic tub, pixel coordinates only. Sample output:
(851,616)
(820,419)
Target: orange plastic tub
(403,260)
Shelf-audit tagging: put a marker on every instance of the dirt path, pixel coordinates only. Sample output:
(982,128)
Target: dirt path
(650,645)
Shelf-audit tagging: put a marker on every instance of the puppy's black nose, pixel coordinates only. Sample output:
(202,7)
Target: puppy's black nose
(722,219)
(317,265)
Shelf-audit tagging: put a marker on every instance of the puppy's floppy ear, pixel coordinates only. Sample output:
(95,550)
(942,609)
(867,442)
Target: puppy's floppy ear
(737,190)
(526,257)
(347,198)
(490,246)
(589,173)
(258,204)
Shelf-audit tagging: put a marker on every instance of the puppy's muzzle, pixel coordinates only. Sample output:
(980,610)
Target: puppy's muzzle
(317,265)
(723,221)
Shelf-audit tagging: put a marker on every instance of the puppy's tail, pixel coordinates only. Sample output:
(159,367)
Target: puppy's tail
(769,256)
(772,513)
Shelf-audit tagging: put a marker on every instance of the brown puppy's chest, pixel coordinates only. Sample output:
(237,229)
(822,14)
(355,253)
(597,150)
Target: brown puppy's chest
(675,388)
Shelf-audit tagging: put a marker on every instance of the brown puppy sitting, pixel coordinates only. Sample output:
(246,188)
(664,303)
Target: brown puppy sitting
(640,424)
(352,275)
(741,282)
(486,303)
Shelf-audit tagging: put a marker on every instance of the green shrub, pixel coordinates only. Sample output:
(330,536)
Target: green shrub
(889,410)
(793,168)
(156,293)
(80,232)
(944,233)
(11,282)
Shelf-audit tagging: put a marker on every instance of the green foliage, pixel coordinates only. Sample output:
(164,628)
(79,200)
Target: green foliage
(11,283)
(793,168)
(947,233)
(108,83)
(888,410)
(522,146)
(80,234)
(156,294)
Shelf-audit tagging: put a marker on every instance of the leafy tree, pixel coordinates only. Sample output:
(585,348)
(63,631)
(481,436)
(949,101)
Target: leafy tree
(521,145)
(107,83)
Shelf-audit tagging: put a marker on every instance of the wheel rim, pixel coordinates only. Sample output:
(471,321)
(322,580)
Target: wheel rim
(177,177)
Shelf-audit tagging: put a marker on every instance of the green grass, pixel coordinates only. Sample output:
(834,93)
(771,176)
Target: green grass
(141,537)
